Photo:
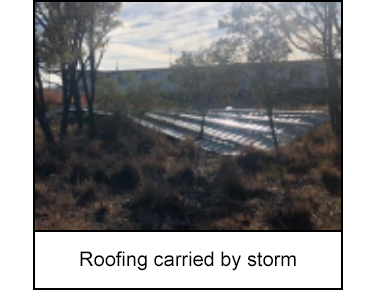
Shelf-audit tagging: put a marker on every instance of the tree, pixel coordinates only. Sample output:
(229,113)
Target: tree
(316,29)
(63,35)
(39,100)
(190,74)
(74,33)
(206,79)
(101,18)
(253,29)
(110,97)
(143,97)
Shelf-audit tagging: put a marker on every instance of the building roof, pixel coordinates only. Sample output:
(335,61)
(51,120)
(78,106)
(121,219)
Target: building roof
(287,62)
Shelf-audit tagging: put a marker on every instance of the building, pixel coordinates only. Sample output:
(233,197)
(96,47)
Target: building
(127,79)
(309,74)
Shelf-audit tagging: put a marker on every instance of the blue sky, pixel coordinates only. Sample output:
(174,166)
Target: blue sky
(149,29)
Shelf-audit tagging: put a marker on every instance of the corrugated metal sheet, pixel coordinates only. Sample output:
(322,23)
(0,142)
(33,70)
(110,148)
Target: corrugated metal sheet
(227,131)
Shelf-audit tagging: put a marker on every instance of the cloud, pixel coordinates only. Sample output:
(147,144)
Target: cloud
(150,28)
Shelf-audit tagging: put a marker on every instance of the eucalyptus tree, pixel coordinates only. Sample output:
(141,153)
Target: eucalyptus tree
(315,28)
(63,35)
(254,31)
(190,73)
(74,33)
(101,20)
(39,100)
(207,79)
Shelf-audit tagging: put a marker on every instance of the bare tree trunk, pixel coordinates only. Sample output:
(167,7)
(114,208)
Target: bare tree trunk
(204,117)
(66,102)
(40,108)
(92,97)
(334,98)
(93,77)
(203,124)
(84,81)
(76,95)
(274,135)
(332,74)
(41,116)
(269,106)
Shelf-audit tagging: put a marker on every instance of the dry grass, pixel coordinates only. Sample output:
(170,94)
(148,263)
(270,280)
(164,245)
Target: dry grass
(133,178)
(188,149)
(232,181)
(155,208)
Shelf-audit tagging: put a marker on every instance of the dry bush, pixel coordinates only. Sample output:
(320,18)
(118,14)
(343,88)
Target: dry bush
(38,135)
(237,222)
(127,178)
(46,165)
(146,141)
(153,207)
(295,214)
(290,179)
(154,167)
(101,212)
(100,174)
(85,193)
(78,169)
(331,178)
(135,181)
(320,135)
(41,194)
(296,159)
(252,160)
(184,175)
(231,180)
(95,149)
(188,149)
(327,150)
(109,128)
(322,144)
(59,222)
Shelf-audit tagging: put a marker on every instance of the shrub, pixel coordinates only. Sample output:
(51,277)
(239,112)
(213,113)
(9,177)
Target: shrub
(100,175)
(154,167)
(145,143)
(62,150)
(153,207)
(332,180)
(109,128)
(46,166)
(296,159)
(78,170)
(252,160)
(320,135)
(101,212)
(127,178)
(232,181)
(188,149)
(295,214)
(94,149)
(85,194)
(184,176)
(41,194)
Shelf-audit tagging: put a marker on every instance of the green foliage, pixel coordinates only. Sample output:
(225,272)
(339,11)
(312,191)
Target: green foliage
(64,26)
(204,79)
(110,97)
(135,100)
(143,97)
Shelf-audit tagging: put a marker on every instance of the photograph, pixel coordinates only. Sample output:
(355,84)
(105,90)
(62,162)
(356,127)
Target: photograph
(188,116)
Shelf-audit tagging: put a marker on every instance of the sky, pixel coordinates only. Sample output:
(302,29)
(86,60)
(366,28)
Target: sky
(150,29)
